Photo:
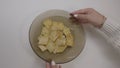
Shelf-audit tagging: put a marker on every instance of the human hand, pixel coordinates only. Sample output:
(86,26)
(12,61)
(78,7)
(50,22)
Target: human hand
(52,65)
(90,16)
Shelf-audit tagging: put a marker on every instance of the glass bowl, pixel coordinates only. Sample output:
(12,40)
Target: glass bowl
(71,52)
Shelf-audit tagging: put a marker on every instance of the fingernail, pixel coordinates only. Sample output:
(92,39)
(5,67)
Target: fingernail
(59,66)
(75,15)
(53,63)
(71,14)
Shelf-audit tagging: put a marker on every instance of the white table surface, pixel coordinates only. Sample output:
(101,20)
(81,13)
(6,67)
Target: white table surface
(17,15)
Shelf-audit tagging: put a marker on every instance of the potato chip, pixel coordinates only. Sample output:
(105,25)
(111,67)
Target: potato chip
(59,49)
(61,40)
(42,47)
(55,37)
(50,46)
(43,40)
(70,40)
(45,31)
(57,26)
(60,26)
(54,26)
(55,34)
(47,23)
(66,30)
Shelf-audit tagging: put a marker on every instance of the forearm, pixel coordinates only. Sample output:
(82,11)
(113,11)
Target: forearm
(112,30)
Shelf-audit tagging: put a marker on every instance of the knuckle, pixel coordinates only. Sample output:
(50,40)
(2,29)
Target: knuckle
(90,9)
(86,17)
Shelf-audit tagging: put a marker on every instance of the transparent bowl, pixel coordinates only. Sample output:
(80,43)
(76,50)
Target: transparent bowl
(71,52)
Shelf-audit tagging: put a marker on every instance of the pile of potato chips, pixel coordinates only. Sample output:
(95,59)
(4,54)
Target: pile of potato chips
(55,37)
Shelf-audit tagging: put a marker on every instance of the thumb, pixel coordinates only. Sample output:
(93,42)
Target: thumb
(53,64)
(80,16)
(47,65)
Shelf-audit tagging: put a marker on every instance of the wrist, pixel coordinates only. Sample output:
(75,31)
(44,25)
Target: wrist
(102,22)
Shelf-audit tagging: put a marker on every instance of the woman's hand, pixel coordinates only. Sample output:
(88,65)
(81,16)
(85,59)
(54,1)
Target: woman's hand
(90,16)
(52,65)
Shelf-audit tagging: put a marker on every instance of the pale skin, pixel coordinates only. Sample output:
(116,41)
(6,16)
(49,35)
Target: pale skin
(49,65)
(89,16)
(84,16)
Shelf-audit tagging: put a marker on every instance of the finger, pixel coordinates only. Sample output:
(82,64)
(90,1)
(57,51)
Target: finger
(53,64)
(73,19)
(47,65)
(81,16)
(60,66)
(83,21)
(79,19)
(81,11)
(71,14)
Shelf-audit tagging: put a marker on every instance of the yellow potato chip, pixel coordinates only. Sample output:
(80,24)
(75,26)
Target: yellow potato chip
(66,30)
(50,46)
(59,49)
(47,23)
(61,40)
(55,34)
(70,40)
(45,31)
(54,26)
(43,40)
(55,37)
(42,47)
(60,26)
(57,26)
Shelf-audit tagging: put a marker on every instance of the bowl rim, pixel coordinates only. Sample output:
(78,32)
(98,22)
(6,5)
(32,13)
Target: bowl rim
(51,60)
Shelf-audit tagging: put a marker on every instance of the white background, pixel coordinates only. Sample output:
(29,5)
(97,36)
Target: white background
(17,15)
